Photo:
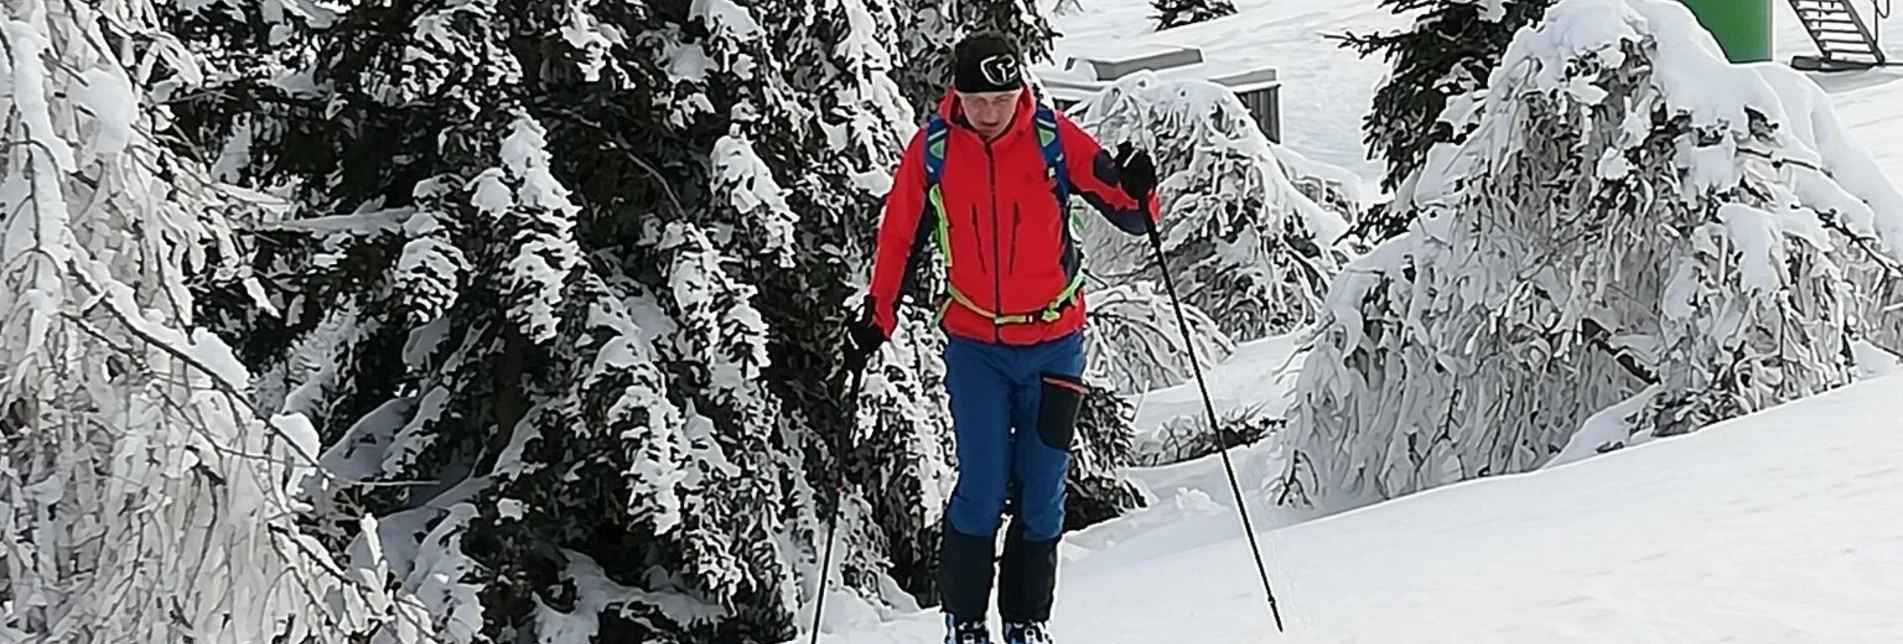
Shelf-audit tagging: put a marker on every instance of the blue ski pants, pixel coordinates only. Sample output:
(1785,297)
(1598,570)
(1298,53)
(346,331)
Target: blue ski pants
(1013,414)
(1014,410)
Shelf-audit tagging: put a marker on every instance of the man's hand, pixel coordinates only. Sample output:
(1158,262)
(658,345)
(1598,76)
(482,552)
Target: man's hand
(1137,172)
(863,338)
(1138,179)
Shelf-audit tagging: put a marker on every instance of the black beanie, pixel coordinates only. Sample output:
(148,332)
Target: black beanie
(986,62)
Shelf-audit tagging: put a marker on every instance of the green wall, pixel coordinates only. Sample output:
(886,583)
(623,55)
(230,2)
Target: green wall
(1742,27)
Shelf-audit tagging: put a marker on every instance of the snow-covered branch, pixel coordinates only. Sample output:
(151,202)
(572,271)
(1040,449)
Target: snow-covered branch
(149,501)
(1630,216)
(1138,345)
(1243,242)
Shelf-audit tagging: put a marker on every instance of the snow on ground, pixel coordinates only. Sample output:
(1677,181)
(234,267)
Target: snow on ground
(1260,372)
(1777,527)
(1774,528)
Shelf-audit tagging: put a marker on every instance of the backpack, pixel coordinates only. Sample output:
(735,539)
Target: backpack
(1044,120)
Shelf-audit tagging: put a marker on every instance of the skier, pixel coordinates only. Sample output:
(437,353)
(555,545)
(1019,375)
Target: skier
(989,177)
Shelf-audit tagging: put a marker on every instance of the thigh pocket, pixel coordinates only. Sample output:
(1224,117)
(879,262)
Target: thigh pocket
(1057,408)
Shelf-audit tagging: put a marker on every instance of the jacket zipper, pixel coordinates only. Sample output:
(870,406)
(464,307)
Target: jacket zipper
(977,240)
(1017,223)
(997,281)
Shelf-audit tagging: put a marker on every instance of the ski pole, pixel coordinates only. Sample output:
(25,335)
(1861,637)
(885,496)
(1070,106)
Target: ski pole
(839,499)
(1209,408)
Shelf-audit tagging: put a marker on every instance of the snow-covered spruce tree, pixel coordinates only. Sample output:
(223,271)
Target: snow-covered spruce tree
(897,456)
(714,215)
(1449,49)
(1170,14)
(922,46)
(1243,244)
(238,105)
(146,499)
(1022,20)
(575,367)
(1632,220)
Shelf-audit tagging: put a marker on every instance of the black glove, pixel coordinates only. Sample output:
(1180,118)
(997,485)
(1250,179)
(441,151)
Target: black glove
(863,338)
(1137,177)
(1138,174)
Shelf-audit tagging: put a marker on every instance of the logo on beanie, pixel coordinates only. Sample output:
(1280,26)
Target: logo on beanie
(999,69)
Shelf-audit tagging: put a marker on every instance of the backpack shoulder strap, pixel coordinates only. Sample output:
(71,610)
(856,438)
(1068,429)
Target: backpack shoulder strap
(936,132)
(1053,149)
(1052,146)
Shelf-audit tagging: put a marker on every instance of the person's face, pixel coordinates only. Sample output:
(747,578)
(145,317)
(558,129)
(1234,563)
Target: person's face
(990,112)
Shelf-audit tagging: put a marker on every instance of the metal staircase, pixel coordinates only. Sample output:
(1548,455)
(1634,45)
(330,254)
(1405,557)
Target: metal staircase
(1842,37)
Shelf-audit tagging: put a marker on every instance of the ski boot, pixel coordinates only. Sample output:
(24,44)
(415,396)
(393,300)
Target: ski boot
(957,632)
(1026,633)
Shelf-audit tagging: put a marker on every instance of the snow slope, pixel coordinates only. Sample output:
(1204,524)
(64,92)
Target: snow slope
(1774,528)
(1779,527)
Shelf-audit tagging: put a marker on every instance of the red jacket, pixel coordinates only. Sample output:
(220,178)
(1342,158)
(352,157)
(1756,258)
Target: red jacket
(1011,249)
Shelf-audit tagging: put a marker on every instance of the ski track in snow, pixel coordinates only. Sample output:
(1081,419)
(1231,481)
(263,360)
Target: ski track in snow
(1775,528)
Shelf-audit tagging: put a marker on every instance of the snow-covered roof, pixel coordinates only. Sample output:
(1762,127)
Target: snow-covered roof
(1083,70)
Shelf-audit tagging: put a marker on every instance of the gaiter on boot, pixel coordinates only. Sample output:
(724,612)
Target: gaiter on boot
(965,574)
(1027,578)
